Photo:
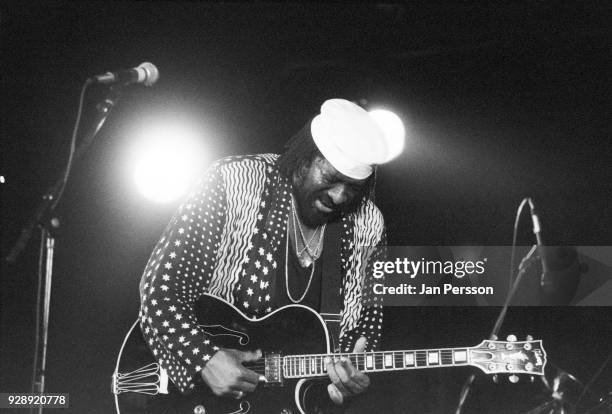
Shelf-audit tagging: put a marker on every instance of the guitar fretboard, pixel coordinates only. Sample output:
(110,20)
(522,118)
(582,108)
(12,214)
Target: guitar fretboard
(300,366)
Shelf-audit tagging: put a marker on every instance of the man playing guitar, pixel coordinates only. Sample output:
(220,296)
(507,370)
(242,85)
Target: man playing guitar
(254,232)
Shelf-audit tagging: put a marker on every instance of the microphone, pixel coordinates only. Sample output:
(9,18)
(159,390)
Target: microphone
(537,231)
(146,73)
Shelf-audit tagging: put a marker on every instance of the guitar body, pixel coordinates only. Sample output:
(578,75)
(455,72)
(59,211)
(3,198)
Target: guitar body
(291,330)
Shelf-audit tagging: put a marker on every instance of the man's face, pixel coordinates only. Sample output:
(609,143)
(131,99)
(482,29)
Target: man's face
(322,193)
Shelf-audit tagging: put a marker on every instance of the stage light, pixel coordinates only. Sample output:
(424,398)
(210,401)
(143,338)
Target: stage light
(167,159)
(393,127)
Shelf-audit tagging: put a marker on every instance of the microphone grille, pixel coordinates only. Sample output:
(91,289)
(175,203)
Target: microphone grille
(152,74)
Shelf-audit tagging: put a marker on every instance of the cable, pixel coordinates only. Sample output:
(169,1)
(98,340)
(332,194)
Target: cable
(514,237)
(73,140)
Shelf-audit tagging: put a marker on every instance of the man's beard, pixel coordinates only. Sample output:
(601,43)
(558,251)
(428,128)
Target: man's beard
(308,212)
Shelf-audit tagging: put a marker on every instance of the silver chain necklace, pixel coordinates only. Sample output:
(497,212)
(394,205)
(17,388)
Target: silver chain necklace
(314,255)
(287,274)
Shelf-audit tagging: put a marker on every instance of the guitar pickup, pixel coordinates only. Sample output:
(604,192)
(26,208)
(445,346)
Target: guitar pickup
(274,368)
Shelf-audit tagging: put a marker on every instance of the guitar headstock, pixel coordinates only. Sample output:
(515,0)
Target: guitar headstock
(509,357)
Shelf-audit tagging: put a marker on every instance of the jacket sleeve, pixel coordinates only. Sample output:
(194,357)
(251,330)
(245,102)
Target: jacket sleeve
(372,243)
(178,271)
(370,320)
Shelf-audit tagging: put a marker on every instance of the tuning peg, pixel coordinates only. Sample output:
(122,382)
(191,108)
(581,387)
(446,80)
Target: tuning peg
(496,378)
(494,337)
(511,338)
(529,338)
(531,379)
(513,378)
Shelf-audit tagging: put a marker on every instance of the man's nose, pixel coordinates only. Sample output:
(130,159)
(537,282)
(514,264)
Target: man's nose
(339,194)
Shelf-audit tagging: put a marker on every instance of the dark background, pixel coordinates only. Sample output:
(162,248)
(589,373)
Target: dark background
(501,101)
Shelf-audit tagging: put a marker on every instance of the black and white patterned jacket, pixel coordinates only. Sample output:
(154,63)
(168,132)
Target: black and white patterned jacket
(225,239)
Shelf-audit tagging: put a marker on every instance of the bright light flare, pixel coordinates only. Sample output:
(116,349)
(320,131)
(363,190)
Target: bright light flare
(167,159)
(393,127)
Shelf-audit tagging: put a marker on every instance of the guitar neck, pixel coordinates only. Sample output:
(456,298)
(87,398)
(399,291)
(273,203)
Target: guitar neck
(308,366)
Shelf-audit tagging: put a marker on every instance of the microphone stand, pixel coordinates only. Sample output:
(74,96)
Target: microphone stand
(44,218)
(523,266)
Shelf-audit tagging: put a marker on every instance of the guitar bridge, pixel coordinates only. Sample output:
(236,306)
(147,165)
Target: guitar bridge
(273,369)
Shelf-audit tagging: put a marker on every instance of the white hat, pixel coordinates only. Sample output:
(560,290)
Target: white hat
(350,139)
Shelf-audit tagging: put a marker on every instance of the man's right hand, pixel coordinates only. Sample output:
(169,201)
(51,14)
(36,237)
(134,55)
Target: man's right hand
(226,376)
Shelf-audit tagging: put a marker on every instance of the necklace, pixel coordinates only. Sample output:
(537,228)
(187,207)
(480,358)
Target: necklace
(295,237)
(313,253)
(287,274)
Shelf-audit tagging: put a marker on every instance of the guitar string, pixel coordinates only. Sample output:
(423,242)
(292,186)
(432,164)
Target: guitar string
(375,353)
(378,356)
(361,360)
(378,365)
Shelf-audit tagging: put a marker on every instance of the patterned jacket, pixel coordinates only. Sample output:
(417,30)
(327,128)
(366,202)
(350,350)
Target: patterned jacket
(226,239)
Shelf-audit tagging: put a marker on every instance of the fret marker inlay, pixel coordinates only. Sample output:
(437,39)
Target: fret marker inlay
(388,360)
(432,357)
(409,359)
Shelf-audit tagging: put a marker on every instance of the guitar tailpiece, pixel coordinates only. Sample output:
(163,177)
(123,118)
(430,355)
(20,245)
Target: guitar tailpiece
(150,380)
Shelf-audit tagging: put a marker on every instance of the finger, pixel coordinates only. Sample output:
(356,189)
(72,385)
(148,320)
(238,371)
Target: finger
(360,345)
(333,375)
(249,376)
(356,375)
(249,356)
(246,374)
(346,373)
(335,395)
(244,386)
(362,379)
(238,395)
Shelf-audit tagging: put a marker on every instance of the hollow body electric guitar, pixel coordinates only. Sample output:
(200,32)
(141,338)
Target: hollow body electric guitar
(295,341)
